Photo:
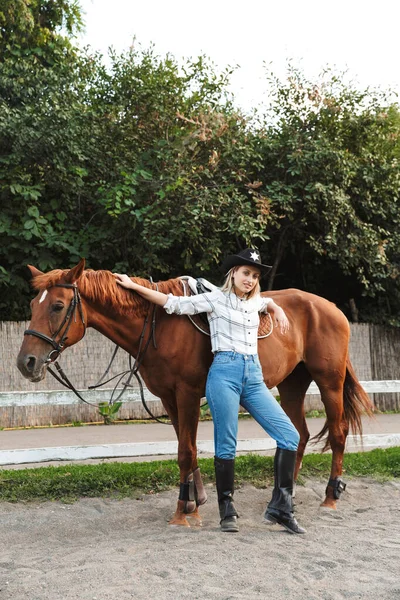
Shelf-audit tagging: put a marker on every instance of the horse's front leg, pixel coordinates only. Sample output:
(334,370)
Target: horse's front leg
(192,493)
(191,490)
(189,500)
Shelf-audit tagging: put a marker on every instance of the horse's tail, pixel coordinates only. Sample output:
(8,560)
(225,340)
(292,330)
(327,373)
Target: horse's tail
(356,402)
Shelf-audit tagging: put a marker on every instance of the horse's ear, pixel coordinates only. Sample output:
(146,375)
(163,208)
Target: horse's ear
(34,271)
(75,273)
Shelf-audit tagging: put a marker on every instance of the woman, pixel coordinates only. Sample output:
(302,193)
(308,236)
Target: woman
(235,377)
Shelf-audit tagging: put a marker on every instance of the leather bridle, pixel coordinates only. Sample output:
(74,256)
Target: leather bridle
(133,371)
(74,306)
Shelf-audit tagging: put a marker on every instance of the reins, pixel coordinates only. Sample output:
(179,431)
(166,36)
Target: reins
(133,371)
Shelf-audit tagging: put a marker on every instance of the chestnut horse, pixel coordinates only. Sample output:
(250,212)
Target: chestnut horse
(315,348)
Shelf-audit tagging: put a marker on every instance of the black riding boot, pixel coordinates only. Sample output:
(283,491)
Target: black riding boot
(280,509)
(224,475)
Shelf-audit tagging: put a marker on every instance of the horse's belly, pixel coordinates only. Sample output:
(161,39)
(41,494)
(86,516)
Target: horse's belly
(277,365)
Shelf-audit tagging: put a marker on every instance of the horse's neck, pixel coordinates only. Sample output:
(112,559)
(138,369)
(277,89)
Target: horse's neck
(108,317)
(123,330)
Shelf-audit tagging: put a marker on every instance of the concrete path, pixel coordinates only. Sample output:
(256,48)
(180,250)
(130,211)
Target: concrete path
(91,443)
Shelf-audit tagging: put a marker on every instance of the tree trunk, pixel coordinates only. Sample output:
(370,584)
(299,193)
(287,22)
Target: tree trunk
(278,257)
(353,310)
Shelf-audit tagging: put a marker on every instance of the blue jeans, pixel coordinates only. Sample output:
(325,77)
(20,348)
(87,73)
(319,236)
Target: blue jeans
(236,379)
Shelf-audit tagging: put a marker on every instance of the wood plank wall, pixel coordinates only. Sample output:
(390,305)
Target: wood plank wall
(373,351)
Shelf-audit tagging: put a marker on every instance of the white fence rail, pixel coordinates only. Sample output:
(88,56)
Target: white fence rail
(60,397)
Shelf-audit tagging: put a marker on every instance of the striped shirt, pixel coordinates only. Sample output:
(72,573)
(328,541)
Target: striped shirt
(233,322)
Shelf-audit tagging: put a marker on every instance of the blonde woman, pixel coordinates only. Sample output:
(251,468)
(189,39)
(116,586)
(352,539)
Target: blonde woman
(235,378)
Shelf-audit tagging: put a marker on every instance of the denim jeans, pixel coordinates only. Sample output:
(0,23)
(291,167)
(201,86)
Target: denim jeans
(236,379)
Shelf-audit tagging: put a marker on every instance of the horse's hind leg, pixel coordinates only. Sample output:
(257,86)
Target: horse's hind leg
(331,389)
(292,391)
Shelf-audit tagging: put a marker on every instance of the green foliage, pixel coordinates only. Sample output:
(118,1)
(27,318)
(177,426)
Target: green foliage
(147,167)
(109,411)
(178,194)
(137,168)
(35,24)
(316,414)
(332,174)
(43,87)
(205,413)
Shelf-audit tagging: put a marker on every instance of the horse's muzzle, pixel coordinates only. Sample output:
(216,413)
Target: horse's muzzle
(31,368)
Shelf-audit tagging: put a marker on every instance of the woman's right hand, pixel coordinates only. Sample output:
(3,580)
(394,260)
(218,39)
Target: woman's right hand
(124,281)
(147,293)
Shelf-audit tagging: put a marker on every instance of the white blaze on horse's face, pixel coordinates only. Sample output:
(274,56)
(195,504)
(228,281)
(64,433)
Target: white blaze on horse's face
(43,296)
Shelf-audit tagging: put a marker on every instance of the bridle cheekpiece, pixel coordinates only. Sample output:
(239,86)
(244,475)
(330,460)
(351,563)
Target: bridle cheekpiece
(70,316)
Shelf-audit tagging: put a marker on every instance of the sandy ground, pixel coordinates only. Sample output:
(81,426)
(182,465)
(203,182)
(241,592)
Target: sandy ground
(100,549)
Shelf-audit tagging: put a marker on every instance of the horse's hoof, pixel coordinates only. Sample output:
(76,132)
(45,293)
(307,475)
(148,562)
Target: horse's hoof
(194,519)
(179,521)
(329,503)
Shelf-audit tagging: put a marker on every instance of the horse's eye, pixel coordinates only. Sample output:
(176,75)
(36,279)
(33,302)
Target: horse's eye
(57,307)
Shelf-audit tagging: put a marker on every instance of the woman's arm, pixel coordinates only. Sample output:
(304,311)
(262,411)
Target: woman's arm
(151,295)
(279,316)
(180,305)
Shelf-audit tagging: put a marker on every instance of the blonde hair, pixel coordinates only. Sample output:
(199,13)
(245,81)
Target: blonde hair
(229,283)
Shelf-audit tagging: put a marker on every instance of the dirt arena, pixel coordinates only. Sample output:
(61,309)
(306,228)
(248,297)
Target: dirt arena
(99,549)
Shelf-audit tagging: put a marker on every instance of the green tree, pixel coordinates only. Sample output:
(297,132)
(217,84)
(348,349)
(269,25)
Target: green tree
(332,174)
(176,184)
(43,146)
(28,24)
(141,167)
(146,166)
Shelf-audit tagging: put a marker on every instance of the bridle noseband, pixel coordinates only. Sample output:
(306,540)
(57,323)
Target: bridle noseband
(70,316)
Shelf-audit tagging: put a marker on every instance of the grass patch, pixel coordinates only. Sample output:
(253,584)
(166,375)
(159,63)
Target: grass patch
(316,414)
(118,480)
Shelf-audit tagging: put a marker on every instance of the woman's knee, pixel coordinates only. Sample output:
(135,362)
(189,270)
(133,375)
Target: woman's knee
(225,454)
(291,441)
(296,437)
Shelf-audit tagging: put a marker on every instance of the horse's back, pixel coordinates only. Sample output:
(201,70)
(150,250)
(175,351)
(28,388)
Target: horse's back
(314,310)
(318,336)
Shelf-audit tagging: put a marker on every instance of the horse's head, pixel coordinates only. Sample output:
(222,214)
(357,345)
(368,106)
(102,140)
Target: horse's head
(58,320)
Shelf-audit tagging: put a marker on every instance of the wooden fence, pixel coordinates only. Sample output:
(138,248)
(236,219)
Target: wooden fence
(374,353)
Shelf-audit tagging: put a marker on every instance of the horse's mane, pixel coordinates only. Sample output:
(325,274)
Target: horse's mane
(100,286)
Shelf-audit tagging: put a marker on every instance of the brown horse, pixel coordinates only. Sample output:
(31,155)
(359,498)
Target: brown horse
(315,348)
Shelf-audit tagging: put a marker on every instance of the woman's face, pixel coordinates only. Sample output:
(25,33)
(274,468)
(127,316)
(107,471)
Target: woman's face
(245,279)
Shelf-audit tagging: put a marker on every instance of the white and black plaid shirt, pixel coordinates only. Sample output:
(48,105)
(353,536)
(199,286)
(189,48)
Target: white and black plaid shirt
(233,322)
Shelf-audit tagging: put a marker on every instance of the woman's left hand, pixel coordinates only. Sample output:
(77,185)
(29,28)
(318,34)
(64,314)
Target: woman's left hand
(281,320)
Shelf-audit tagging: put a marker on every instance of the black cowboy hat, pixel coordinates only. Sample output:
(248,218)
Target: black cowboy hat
(249,256)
